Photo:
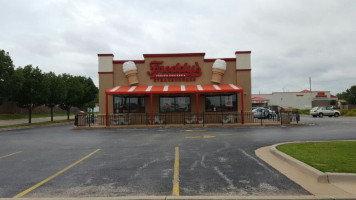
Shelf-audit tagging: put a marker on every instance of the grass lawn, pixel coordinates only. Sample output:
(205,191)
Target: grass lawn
(37,123)
(25,116)
(325,156)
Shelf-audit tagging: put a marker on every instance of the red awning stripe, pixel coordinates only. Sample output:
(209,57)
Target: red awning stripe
(174,89)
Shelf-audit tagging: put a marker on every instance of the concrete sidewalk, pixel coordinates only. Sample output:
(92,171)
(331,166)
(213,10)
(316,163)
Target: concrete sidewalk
(34,120)
(321,185)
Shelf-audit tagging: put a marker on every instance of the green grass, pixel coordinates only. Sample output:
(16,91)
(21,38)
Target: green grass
(303,112)
(325,156)
(25,116)
(37,123)
(350,113)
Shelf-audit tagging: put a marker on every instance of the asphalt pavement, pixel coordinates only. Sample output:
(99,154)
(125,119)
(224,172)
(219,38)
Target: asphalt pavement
(212,161)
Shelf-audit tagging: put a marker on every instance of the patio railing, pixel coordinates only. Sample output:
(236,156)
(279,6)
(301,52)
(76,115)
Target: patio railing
(185,118)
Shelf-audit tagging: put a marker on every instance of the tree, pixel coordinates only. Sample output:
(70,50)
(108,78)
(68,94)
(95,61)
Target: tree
(351,95)
(74,93)
(31,89)
(342,95)
(6,71)
(81,93)
(57,90)
(92,103)
(90,93)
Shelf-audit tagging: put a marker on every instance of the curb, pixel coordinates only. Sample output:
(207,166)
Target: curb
(321,177)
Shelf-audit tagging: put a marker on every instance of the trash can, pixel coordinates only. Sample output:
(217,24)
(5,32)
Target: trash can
(82,118)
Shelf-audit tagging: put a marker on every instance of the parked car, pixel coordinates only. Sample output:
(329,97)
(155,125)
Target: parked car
(262,113)
(324,111)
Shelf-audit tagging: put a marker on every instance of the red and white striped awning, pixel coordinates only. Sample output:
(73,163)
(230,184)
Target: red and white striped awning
(171,89)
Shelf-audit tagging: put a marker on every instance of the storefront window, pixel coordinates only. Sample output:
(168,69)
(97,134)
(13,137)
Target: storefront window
(174,104)
(124,104)
(221,103)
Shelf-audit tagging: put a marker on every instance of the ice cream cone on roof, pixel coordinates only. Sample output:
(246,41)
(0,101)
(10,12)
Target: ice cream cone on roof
(130,71)
(219,68)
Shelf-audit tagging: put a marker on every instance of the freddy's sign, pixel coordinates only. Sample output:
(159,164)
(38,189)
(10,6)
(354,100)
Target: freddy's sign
(178,72)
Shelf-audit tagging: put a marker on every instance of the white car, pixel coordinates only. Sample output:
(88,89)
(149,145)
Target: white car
(324,111)
(263,113)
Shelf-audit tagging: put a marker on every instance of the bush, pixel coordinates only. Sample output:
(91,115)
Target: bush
(348,113)
(351,113)
(302,112)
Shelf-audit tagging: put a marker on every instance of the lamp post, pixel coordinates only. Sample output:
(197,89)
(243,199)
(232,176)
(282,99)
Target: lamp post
(311,95)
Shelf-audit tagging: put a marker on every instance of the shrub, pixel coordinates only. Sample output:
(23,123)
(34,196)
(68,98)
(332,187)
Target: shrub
(348,113)
(343,112)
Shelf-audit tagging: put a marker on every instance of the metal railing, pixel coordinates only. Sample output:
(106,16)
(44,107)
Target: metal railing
(284,118)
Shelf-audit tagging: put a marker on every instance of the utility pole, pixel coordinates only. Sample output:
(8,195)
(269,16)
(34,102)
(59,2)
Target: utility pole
(311,95)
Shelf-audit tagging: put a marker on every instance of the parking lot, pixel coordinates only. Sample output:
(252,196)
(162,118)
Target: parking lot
(61,162)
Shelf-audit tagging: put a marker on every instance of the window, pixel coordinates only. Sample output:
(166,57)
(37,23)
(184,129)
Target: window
(221,103)
(174,104)
(125,104)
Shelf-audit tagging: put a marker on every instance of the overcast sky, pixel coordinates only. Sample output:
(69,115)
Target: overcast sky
(290,40)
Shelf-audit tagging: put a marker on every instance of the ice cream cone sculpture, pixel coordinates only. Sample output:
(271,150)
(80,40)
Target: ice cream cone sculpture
(130,71)
(219,68)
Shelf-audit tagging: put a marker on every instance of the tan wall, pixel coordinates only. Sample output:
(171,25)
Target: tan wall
(105,63)
(243,61)
(144,79)
(242,78)
(105,83)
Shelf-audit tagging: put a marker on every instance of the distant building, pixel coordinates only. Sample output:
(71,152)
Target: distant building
(300,100)
(259,102)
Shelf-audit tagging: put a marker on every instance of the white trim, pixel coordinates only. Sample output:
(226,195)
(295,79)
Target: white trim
(182,87)
(165,89)
(149,88)
(132,89)
(200,87)
(217,87)
(114,89)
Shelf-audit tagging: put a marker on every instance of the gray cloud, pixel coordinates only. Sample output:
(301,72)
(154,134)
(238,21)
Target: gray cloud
(290,40)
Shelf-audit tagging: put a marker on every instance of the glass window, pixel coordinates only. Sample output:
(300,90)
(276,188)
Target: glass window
(124,104)
(174,104)
(218,103)
(212,103)
(228,103)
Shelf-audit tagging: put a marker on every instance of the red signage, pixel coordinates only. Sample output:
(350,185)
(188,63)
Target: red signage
(173,73)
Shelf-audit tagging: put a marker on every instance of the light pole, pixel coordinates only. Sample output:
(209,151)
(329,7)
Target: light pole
(311,95)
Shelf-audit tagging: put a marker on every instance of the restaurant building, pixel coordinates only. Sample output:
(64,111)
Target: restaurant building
(179,88)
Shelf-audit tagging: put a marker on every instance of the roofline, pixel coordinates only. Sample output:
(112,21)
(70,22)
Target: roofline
(107,54)
(123,61)
(174,55)
(225,59)
(243,52)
